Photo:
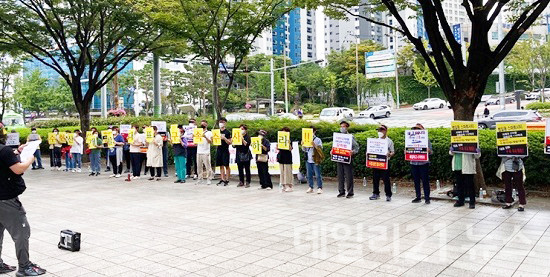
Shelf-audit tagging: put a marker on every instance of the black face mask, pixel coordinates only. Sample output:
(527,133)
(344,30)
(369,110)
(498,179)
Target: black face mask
(204,126)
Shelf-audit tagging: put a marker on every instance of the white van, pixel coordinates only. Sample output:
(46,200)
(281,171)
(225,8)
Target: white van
(335,114)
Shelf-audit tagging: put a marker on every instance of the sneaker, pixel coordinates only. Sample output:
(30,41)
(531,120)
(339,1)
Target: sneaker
(349,196)
(374,197)
(341,195)
(209,182)
(165,174)
(112,175)
(458,204)
(309,190)
(137,177)
(289,189)
(269,188)
(225,183)
(195,177)
(472,206)
(240,184)
(199,182)
(388,198)
(34,168)
(319,191)
(151,179)
(59,169)
(182,181)
(30,270)
(427,201)
(158,179)
(79,170)
(261,188)
(4,268)
(177,181)
(507,206)
(108,169)
(117,176)
(219,183)
(92,174)
(416,200)
(97,174)
(521,209)
(40,168)
(247,185)
(73,170)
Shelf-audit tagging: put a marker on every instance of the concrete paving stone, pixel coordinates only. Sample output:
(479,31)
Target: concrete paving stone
(193,230)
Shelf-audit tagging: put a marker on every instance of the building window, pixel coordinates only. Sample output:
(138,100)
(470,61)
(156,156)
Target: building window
(309,21)
(309,29)
(309,46)
(309,55)
(308,13)
(309,38)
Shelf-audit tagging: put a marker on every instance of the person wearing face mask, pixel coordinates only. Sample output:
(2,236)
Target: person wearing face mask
(262,162)
(420,172)
(313,167)
(154,156)
(243,157)
(107,160)
(180,153)
(76,151)
(95,153)
(116,154)
(511,173)
(34,136)
(222,153)
(66,152)
(204,164)
(383,174)
(136,154)
(464,168)
(345,171)
(191,150)
(284,157)
(55,158)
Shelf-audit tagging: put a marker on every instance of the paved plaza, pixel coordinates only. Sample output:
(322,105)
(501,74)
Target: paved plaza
(144,228)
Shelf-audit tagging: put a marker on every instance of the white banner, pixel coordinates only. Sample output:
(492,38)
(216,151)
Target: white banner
(273,164)
(125,129)
(377,146)
(161,125)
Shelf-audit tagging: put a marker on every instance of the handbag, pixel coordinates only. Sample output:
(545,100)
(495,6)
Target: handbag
(262,158)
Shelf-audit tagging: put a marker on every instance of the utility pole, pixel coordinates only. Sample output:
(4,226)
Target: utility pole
(156,86)
(272,87)
(286,84)
(395,48)
(103,98)
(357,71)
(502,85)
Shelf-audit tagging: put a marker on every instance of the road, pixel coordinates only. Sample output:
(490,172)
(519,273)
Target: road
(406,117)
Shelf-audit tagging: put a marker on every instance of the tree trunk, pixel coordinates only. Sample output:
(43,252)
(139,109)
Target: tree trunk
(429,92)
(215,93)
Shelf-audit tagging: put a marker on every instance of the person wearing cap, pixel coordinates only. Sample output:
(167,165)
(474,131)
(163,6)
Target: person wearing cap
(420,172)
(312,166)
(464,169)
(345,171)
(262,162)
(383,174)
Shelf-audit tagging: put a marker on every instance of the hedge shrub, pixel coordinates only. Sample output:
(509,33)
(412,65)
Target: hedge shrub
(536,164)
(538,106)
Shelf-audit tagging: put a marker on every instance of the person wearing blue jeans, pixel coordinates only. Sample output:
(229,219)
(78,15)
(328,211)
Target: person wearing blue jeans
(313,167)
(95,154)
(34,136)
(420,172)
(77,150)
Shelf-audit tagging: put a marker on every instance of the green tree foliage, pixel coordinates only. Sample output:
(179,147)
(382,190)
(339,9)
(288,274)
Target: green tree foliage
(36,94)
(196,85)
(10,65)
(93,40)
(220,31)
(423,75)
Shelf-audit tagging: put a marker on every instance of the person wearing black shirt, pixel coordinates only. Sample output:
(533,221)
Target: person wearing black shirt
(243,157)
(262,162)
(12,214)
(222,153)
(180,153)
(284,157)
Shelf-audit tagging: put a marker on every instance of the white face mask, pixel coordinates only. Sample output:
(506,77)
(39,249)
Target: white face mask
(380,135)
(55,133)
(261,137)
(243,132)
(222,125)
(34,132)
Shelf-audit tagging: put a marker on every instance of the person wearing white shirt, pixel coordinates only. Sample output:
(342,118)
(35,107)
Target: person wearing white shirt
(204,165)
(77,150)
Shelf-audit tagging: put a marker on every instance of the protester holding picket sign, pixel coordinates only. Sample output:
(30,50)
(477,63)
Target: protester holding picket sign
(262,162)
(154,155)
(76,151)
(464,168)
(343,159)
(420,172)
(284,157)
(222,153)
(136,141)
(55,147)
(66,150)
(191,150)
(312,149)
(95,146)
(116,154)
(511,171)
(34,136)
(383,174)
(179,144)
(243,157)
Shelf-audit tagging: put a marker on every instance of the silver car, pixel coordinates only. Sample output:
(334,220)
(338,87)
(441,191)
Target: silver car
(509,116)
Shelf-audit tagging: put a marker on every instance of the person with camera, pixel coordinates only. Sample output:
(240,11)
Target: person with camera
(12,214)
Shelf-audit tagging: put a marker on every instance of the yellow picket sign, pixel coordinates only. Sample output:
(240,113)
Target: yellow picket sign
(62,137)
(51,139)
(110,140)
(237,137)
(283,140)
(256,144)
(149,134)
(216,137)
(175,135)
(89,137)
(93,142)
(130,137)
(307,137)
(70,139)
(198,135)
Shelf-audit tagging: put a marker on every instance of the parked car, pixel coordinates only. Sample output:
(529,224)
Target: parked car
(430,103)
(509,116)
(376,111)
(495,100)
(363,121)
(335,114)
(484,98)
(532,96)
